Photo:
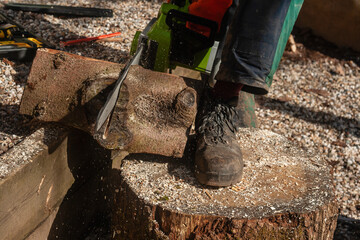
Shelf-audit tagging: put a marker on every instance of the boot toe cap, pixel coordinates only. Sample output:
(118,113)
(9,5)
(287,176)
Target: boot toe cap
(219,165)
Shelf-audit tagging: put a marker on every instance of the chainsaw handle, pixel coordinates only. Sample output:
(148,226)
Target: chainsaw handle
(172,20)
(180,3)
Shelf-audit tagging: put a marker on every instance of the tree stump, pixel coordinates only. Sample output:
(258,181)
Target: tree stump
(285,193)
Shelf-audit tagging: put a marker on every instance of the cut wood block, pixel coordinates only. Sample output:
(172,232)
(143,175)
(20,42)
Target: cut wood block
(153,113)
(68,88)
(335,21)
(285,193)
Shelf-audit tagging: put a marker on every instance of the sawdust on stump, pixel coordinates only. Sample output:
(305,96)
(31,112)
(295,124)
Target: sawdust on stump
(285,193)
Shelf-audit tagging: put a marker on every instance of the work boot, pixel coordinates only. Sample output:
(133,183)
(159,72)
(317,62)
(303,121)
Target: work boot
(218,158)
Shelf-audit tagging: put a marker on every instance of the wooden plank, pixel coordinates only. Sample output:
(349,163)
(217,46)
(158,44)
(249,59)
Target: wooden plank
(32,190)
(42,231)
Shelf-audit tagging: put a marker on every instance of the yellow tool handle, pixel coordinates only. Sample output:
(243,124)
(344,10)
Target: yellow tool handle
(13,43)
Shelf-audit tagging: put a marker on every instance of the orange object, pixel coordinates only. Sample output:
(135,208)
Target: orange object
(71,42)
(210,9)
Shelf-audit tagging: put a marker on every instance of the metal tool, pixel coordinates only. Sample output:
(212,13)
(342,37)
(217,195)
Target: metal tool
(16,43)
(60,10)
(107,109)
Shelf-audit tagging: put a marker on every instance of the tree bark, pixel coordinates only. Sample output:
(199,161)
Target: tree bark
(285,193)
(153,113)
(67,88)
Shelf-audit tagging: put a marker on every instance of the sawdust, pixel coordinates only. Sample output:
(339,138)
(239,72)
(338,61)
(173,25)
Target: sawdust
(154,109)
(24,152)
(278,178)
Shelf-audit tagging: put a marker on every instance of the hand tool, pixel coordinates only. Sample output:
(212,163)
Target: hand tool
(16,43)
(76,41)
(60,10)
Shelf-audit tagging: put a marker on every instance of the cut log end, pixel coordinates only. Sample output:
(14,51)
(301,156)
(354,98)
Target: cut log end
(285,193)
(152,115)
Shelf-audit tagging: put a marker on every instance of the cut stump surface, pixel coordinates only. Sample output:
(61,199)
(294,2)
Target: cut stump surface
(285,193)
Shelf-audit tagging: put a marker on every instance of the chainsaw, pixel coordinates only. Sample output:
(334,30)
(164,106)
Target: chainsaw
(181,35)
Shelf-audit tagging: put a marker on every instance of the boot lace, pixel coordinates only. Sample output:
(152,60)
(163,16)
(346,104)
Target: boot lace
(214,122)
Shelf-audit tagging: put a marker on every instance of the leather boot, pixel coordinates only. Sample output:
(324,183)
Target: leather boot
(218,158)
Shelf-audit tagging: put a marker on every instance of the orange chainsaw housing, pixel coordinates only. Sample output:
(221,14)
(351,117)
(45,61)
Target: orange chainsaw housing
(210,9)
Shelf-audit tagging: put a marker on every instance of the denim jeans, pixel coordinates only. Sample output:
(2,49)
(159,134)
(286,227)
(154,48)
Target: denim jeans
(255,41)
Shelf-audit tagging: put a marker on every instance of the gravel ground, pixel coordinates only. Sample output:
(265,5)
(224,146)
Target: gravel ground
(314,100)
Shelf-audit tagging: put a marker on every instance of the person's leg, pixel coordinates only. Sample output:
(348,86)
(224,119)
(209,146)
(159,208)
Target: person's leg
(256,41)
(254,45)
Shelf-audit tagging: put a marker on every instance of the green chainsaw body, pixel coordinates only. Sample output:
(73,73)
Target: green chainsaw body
(166,42)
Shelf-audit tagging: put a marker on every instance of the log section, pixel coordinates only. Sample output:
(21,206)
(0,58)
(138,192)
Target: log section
(153,113)
(285,193)
(60,84)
